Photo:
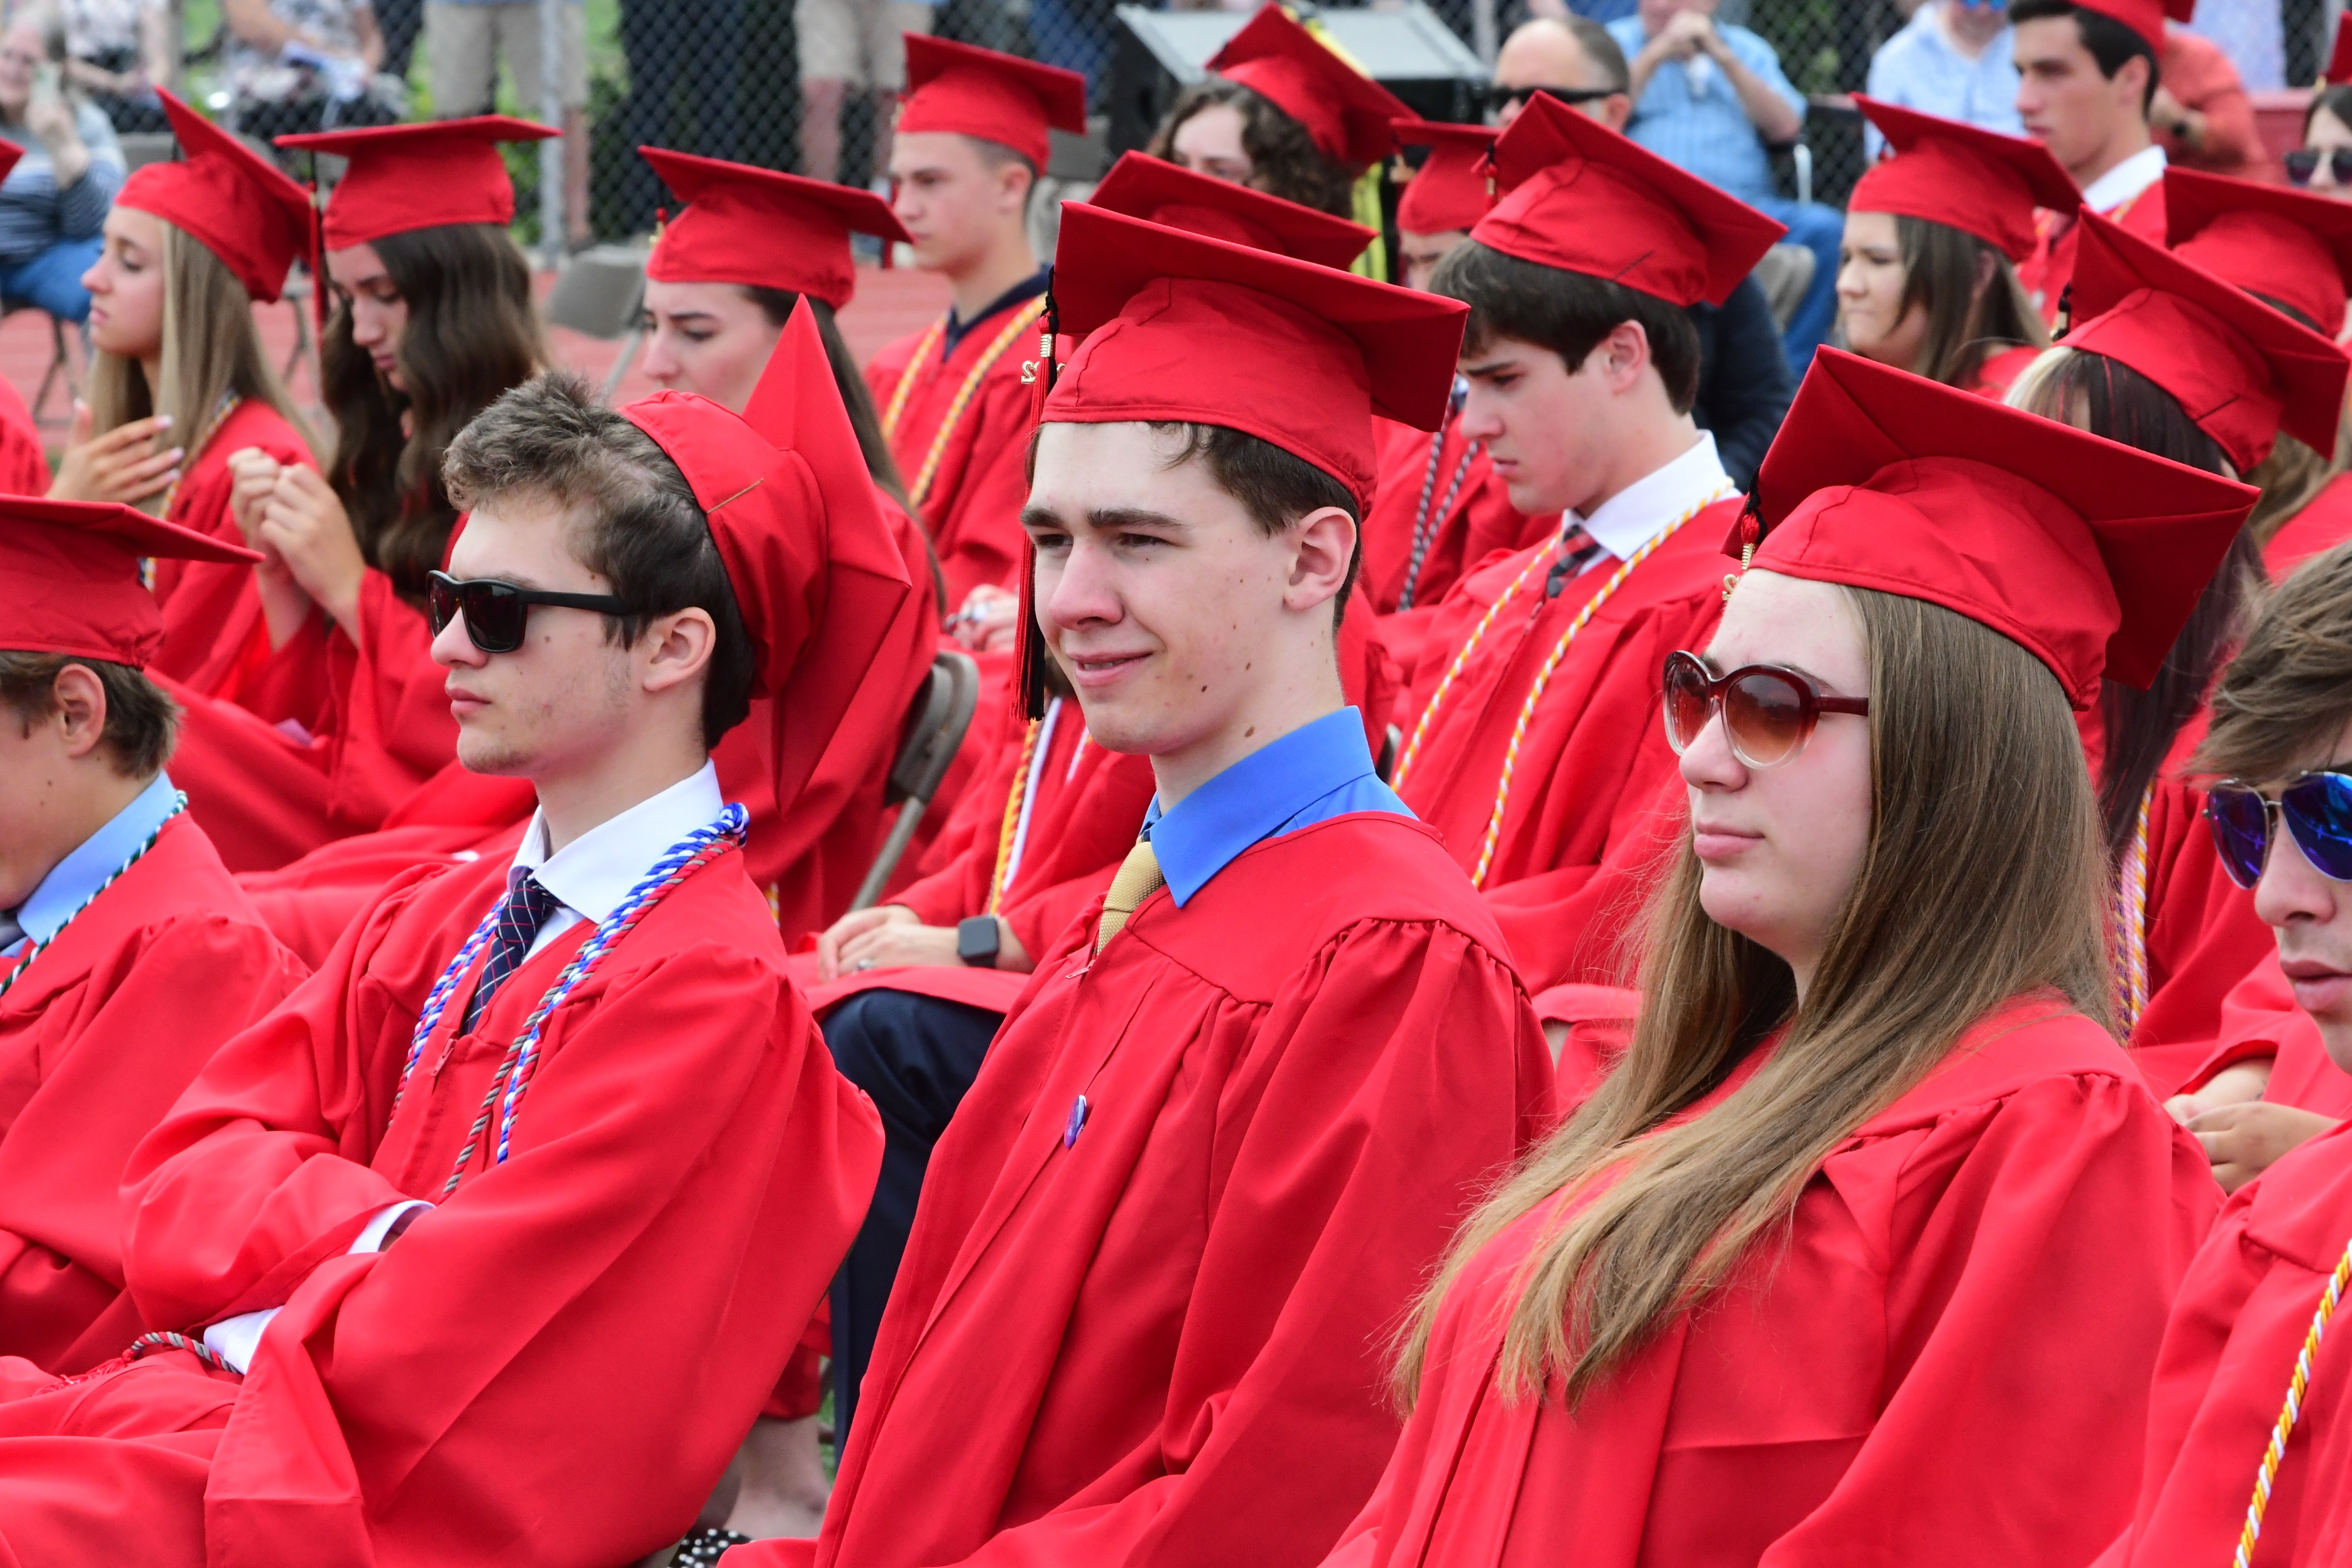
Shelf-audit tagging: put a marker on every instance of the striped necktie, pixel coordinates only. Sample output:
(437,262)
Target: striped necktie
(1139,878)
(527,908)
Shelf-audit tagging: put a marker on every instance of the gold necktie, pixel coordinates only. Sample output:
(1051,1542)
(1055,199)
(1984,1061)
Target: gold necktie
(1139,878)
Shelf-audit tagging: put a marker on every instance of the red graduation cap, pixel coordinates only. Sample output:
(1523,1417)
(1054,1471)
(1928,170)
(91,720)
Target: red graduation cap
(70,578)
(1184,326)
(2086,552)
(2240,369)
(1346,114)
(757,227)
(1164,193)
(1579,197)
(998,98)
(2339,59)
(1977,181)
(1449,190)
(792,510)
(2146,17)
(2293,246)
(234,200)
(426,175)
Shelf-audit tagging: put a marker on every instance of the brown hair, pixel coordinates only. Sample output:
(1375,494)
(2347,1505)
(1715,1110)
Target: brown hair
(2289,690)
(472,333)
(142,722)
(1567,312)
(211,353)
(1983,882)
(1283,160)
(642,530)
(2109,398)
(1975,307)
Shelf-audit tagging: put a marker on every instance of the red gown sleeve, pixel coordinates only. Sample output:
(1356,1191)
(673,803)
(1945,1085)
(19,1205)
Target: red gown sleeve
(2024,1309)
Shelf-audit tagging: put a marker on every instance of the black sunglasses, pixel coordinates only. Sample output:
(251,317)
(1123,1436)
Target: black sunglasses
(2304,162)
(497,613)
(2317,807)
(1500,98)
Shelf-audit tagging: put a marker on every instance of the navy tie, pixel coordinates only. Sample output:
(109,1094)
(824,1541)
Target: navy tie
(526,910)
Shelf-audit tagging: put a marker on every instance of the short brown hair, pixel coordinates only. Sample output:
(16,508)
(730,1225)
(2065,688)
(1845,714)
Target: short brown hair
(2289,690)
(1567,312)
(647,534)
(141,721)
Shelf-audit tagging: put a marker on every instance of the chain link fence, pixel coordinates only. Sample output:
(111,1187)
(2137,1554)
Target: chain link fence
(807,85)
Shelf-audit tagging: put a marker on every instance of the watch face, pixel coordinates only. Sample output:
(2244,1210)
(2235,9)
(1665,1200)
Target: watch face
(977,940)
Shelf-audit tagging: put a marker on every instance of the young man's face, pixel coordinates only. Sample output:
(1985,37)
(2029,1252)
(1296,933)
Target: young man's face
(951,201)
(559,704)
(2066,104)
(1545,426)
(1164,602)
(2312,918)
(1421,253)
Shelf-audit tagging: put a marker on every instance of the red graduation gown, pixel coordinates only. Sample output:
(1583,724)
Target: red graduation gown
(1937,1366)
(2202,936)
(23,466)
(1480,521)
(2324,522)
(972,507)
(213,638)
(2047,272)
(269,792)
(1163,1342)
(97,1039)
(1999,370)
(2259,1021)
(554,1366)
(1594,767)
(2228,1354)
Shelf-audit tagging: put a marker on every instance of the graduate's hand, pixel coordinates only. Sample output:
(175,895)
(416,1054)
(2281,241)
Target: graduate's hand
(985,624)
(2240,1083)
(119,465)
(832,963)
(2243,1140)
(253,476)
(304,521)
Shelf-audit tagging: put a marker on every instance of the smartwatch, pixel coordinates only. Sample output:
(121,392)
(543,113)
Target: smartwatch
(978,939)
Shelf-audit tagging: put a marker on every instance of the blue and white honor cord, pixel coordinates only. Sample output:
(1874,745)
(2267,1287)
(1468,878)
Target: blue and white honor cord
(35,950)
(679,861)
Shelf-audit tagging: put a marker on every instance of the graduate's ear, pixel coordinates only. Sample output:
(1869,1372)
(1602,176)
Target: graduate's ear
(1323,548)
(80,709)
(674,649)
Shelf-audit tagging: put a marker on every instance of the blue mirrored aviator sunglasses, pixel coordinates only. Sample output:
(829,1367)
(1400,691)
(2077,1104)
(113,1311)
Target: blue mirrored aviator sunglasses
(2318,811)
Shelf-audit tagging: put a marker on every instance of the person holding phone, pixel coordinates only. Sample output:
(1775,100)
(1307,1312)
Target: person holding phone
(55,198)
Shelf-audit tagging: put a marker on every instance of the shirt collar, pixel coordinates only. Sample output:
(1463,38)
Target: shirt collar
(74,881)
(1632,517)
(1252,799)
(1021,293)
(594,872)
(2124,181)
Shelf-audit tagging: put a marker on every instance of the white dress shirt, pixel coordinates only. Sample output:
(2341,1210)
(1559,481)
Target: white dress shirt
(1638,513)
(2124,181)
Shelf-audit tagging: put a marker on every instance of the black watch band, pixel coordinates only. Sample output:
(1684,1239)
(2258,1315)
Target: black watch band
(978,941)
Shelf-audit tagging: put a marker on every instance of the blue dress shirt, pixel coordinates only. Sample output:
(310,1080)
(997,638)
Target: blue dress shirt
(75,879)
(1317,771)
(1690,113)
(1919,68)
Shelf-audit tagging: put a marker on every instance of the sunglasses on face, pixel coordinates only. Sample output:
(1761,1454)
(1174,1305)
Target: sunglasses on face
(2304,162)
(2317,807)
(497,613)
(1500,97)
(1767,713)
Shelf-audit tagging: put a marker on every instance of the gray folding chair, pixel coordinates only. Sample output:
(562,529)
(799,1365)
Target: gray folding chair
(601,293)
(936,722)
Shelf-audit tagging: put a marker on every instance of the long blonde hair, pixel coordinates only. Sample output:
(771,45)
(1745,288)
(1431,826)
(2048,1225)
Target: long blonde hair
(212,351)
(1981,882)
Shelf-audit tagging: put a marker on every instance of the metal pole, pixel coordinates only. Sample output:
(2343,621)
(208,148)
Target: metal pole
(551,109)
(1481,31)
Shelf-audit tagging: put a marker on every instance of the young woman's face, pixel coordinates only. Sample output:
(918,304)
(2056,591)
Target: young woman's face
(1870,293)
(126,286)
(1779,847)
(2326,136)
(1209,143)
(709,338)
(378,312)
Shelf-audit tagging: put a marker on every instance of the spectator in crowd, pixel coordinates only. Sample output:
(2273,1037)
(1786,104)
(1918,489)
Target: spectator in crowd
(685,58)
(300,65)
(463,42)
(1712,99)
(2323,163)
(2200,114)
(1744,381)
(2086,78)
(1926,280)
(851,45)
(1953,59)
(119,52)
(55,200)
